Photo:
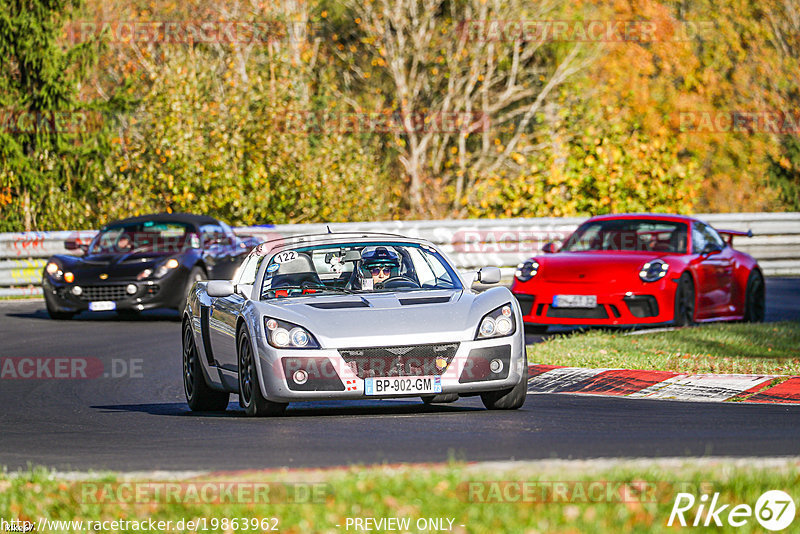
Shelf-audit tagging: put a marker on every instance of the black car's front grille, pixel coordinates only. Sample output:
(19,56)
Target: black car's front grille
(111,292)
(415,360)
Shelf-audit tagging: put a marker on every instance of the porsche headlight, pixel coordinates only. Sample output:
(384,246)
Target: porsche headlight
(54,270)
(527,270)
(286,335)
(653,271)
(165,267)
(497,323)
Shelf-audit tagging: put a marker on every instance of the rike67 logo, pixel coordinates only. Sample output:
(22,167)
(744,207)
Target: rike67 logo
(774,510)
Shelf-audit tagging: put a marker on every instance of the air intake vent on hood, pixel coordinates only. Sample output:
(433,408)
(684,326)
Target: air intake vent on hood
(424,300)
(339,305)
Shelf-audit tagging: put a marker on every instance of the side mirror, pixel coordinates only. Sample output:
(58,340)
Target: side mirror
(75,244)
(219,288)
(488,275)
(710,249)
(549,248)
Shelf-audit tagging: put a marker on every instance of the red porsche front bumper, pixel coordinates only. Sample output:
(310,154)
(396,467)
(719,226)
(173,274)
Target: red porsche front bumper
(618,304)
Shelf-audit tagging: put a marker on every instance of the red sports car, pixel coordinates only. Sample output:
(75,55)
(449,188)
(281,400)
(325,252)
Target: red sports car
(620,270)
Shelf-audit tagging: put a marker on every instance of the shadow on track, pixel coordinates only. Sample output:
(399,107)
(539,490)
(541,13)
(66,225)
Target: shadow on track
(145,316)
(300,409)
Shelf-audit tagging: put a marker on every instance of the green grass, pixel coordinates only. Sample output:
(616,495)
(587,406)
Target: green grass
(444,491)
(769,348)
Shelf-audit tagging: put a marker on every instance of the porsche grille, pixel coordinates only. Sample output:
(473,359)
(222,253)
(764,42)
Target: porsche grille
(415,360)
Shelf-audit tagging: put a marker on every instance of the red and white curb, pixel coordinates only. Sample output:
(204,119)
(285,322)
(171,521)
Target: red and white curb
(664,384)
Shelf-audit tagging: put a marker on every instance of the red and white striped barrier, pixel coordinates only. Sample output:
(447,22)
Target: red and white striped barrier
(667,385)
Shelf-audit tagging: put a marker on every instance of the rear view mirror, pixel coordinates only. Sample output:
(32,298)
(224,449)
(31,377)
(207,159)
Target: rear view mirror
(352,255)
(549,248)
(710,249)
(219,288)
(489,275)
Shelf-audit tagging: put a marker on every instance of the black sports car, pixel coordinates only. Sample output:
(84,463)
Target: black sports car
(142,262)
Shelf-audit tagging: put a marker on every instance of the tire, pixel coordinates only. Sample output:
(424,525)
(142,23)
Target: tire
(250,397)
(197,274)
(58,315)
(199,395)
(508,399)
(442,398)
(755,299)
(684,302)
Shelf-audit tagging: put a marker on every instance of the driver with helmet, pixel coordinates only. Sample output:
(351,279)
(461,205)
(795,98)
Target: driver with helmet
(381,263)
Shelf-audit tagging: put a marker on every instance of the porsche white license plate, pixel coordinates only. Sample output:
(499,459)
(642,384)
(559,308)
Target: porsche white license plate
(575,301)
(403,385)
(102,305)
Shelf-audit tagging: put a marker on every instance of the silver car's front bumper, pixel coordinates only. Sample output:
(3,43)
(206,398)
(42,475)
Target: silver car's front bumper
(331,376)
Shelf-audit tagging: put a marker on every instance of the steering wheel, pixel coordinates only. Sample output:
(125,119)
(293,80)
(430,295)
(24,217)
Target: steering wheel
(398,282)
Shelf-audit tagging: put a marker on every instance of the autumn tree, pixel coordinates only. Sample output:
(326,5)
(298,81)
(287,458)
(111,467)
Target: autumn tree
(48,141)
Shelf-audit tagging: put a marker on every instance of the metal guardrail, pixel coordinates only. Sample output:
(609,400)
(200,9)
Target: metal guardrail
(471,243)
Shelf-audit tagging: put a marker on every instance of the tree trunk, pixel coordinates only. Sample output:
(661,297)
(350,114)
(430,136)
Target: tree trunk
(26,210)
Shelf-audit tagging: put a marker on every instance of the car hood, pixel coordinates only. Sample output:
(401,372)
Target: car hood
(88,269)
(592,267)
(386,319)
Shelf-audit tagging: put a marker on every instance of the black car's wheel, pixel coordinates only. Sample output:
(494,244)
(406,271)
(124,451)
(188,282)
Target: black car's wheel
(197,274)
(442,398)
(250,397)
(199,395)
(58,315)
(755,299)
(508,399)
(684,301)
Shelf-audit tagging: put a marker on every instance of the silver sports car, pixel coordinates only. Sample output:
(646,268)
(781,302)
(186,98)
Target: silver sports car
(351,316)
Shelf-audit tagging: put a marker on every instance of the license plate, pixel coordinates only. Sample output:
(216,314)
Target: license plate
(403,385)
(102,305)
(575,301)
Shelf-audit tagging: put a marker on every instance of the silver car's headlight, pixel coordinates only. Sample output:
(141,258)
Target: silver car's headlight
(653,271)
(527,270)
(286,335)
(497,323)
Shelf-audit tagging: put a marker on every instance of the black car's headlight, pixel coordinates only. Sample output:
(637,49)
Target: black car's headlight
(161,271)
(54,270)
(497,323)
(653,271)
(527,270)
(286,335)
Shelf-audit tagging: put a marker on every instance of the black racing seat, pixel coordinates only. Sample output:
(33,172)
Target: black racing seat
(295,273)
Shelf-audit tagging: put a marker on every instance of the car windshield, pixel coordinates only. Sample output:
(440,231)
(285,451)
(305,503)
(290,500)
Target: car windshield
(148,236)
(634,235)
(357,268)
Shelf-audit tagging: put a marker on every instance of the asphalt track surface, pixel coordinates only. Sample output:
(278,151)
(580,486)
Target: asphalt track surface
(140,421)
